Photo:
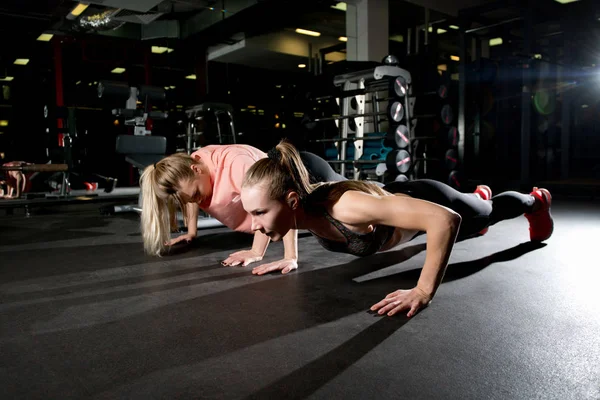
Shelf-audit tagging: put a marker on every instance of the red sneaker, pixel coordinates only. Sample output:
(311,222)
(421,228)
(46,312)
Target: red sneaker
(485,193)
(541,224)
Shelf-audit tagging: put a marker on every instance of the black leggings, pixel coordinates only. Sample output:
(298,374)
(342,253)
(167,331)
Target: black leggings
(319,169)
(476,213)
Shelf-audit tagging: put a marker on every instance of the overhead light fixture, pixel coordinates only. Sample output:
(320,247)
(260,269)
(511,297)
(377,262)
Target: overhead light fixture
(45,37)
(21,61)
(76,12)
(192,76)
(442,67)
(343,39)
(78,82)
(172,87)
(118,70)
(584,106)
(7,79)
(454,27)
(565,1)
(397,38)
(439,30)
(537,56)
(496,41)
(161,50)
(301,65)
(307,32)
(3,122)
(455,58)
(340,6)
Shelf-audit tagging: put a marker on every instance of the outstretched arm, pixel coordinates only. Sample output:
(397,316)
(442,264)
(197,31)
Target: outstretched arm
(191,218)
(440,223)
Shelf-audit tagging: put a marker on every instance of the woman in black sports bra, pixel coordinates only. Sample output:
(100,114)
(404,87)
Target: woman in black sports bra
(361,218)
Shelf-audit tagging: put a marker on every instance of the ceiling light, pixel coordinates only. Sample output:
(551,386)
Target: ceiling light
(455,58)
(340,6)
(192,76)
(118,70)
(172,87)
(442,67)
(159,49)
(21,61)
(439,30)
(301,65)
(45,37)
(307,32)
(7,79)
(343,39)
(397,38)
(584,106)
(76,12)
(3,122)
(496,41)
(454,27)
(565,1)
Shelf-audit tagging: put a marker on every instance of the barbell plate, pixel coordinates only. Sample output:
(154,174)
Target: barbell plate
(399,87)
(451,159)
(453,136)
(455,180)
(399,160)
(447,114)
(396,111)
(401,137)
(401,178)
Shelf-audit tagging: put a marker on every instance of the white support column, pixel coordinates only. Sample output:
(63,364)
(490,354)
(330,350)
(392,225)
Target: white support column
(367,29)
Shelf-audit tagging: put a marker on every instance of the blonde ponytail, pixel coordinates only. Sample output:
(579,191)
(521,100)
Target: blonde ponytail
(159,185)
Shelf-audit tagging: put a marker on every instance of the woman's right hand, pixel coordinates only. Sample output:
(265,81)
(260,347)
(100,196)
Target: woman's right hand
(188,237)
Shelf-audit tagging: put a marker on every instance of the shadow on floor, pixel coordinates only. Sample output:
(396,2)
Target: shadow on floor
(305,381)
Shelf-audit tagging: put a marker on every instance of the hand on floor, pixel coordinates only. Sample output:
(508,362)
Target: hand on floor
(187,237)
(242,258)
(285,266)
(412,300)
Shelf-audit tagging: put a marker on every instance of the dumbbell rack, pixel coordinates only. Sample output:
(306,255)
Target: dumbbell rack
(368,84)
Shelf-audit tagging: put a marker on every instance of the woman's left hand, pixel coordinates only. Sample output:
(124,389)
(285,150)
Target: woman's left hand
(412,300)
(242,258)
(285,266)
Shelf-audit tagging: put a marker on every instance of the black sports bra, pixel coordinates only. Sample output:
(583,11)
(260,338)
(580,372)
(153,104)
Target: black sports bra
(358,244)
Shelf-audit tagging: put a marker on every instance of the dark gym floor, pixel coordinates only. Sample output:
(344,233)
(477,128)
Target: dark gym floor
(85,314)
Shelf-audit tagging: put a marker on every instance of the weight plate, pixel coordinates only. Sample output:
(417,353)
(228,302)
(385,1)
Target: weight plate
(396,111)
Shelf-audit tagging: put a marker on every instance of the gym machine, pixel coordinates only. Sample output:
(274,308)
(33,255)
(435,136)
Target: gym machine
(198,120)
(142,148)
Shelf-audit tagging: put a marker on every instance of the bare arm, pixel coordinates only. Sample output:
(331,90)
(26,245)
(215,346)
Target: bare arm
(191,218)
(440,223)
(260,244)
(290,245)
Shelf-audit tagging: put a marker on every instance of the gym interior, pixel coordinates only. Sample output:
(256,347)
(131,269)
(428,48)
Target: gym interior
(501,93)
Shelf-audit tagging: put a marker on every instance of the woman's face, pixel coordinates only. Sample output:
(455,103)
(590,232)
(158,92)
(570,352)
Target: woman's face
(198,189)
(274,218)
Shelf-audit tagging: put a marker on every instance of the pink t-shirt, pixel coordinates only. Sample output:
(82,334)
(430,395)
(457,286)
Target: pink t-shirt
(228,165)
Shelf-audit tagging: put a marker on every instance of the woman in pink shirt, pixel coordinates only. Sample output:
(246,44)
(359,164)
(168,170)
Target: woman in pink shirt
(211,179)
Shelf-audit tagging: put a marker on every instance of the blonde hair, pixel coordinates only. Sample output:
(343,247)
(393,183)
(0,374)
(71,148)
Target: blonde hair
(159,185)
(284,171)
